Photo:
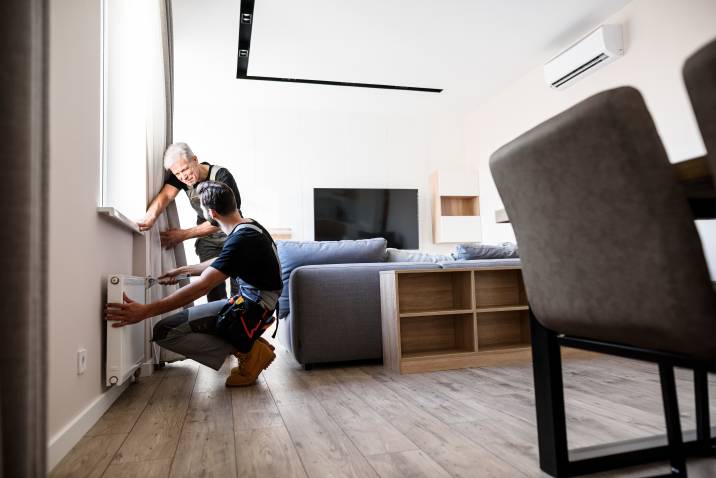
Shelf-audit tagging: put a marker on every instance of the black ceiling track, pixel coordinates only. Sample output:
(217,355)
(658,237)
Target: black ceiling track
(246,21)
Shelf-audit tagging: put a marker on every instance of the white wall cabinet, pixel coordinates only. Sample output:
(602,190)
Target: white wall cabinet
(456,206)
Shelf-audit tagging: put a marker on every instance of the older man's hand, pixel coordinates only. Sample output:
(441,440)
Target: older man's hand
(171,237)
(147,222)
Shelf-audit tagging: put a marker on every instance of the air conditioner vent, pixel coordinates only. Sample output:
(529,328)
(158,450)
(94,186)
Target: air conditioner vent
(582,69)
(597,49)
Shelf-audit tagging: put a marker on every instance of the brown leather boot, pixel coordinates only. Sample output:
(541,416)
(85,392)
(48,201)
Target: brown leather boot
(251,365)
(260,339)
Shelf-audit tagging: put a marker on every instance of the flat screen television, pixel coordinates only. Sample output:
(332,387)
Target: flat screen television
(367,213)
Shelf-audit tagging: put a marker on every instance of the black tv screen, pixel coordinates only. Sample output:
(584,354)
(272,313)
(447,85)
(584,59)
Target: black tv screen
(367,213)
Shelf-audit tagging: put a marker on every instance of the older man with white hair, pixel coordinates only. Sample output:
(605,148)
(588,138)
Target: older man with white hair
(185,172)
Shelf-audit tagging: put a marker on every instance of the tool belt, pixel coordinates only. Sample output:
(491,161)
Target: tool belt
(242,321)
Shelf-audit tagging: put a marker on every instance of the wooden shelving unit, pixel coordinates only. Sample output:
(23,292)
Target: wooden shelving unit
(453,318)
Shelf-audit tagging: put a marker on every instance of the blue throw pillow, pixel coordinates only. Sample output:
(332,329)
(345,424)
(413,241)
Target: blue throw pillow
(476,250)
(293,254)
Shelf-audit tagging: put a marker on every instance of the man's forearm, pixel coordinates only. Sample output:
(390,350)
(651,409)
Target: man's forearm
(203,229)
(157,206)
(197,269)
(180,297)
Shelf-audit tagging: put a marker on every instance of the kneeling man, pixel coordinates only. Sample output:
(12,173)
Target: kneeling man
(209,332)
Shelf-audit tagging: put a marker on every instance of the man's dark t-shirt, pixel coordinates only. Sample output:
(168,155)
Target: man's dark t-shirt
(250,258)
(223,176)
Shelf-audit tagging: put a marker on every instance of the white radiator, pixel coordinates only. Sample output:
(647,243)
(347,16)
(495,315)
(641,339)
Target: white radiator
(125,345)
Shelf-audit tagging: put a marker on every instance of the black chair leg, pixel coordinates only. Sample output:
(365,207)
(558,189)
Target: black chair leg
(549,400)
(703,421)
(677,456)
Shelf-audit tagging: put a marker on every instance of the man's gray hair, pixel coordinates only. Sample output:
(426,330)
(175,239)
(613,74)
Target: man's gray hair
(176,152)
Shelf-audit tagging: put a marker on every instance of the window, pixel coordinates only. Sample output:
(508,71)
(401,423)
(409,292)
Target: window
(123,171)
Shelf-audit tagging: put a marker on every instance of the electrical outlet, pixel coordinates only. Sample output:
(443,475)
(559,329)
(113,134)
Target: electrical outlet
(81,361)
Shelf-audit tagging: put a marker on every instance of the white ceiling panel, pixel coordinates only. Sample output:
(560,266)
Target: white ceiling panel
(424,43)
(470,48)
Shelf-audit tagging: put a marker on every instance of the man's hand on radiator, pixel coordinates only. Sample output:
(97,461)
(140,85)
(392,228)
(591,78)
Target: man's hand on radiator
(128,313)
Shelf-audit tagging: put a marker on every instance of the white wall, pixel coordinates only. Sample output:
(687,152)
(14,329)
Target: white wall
(659,36)
(281,140)
(84,247)
(278,157)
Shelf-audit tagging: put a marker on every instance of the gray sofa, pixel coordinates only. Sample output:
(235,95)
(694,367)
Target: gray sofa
(330,306)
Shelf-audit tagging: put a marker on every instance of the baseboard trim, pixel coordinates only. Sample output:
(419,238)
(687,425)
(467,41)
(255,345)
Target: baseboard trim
(62,442)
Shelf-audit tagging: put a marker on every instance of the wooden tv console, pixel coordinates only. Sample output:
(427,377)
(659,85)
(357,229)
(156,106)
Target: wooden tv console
(444,319)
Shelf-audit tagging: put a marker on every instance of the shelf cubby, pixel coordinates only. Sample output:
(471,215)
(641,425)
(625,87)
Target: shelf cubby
(501,330)
(437,334)
(499,288)
(449,291)
(460,205)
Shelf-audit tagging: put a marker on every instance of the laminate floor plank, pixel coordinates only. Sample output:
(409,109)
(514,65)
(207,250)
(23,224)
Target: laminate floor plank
(254,407)
(324,449)
(206,446)
(207,449)
(211,399)
(413,464)
(370,432)
(89,458)
(156,434)
(143,469)
(450,449)
(511,439)
(267,452)
(418,388)
(125,411)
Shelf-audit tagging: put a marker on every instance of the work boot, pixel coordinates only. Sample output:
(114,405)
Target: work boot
(260,339)
(251,365)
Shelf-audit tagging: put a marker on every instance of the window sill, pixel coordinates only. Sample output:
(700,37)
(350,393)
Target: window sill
(118,218)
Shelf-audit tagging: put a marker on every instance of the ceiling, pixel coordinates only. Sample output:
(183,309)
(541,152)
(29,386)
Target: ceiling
(469,48)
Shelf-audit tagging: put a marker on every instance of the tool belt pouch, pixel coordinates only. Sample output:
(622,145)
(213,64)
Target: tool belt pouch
(240,323)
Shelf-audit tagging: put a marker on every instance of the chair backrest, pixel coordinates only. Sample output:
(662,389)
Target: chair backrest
(700,78)
(608,244)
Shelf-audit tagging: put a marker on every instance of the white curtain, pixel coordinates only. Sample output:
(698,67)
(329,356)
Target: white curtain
(158,75)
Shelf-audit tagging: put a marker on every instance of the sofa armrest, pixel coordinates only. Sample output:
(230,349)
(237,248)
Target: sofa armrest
(335,311)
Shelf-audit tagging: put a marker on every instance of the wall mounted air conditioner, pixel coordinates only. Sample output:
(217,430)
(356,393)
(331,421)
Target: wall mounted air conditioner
(602,46)
(125,345)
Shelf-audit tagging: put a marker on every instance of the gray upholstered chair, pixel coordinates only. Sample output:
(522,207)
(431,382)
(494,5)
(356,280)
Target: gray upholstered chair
(611,262)
(700,78)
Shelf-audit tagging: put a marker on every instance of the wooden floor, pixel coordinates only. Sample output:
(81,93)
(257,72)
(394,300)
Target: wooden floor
(362,422)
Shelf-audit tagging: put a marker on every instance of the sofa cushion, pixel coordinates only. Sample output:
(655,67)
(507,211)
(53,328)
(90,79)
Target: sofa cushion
(476,250)
(413,255)
(479,263)
(293,254)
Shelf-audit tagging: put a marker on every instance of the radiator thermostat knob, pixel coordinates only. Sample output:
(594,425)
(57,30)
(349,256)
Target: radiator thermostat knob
(114,280)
